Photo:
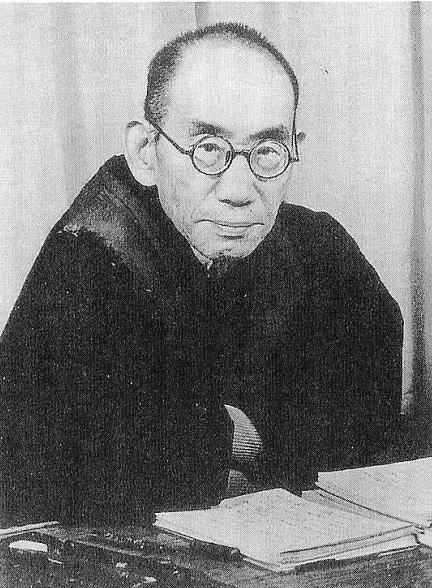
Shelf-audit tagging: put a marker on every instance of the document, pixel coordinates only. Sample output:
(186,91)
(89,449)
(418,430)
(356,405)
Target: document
(276,527)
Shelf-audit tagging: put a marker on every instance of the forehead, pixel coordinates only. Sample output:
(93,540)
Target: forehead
(232,86)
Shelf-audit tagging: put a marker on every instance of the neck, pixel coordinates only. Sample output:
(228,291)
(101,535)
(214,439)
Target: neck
(206,261)
(215,267)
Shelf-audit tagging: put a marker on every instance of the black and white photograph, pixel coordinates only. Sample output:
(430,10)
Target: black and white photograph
(216,294)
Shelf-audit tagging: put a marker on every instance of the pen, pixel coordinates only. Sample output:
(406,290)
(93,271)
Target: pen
(223,552)
(12,531)
(317,565)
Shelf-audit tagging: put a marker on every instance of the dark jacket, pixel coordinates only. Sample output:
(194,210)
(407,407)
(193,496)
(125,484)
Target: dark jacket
(121,352)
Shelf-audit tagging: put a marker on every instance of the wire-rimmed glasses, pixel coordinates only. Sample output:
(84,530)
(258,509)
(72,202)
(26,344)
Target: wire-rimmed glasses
(212,155)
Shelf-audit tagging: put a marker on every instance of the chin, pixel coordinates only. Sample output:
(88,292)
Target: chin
(234,252)
(213,249)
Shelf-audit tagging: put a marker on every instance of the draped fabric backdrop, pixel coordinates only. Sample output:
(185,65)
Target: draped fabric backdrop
(73,75)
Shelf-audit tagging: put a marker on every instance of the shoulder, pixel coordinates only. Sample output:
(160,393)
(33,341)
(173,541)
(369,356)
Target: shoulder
(72,273)
(327,252)
(97,257)
(318,237)
(333,259)
(67,252)
(305,224)
(62,303)
(106,231)
(112,205)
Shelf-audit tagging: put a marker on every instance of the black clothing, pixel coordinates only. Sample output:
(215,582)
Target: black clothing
(122,350)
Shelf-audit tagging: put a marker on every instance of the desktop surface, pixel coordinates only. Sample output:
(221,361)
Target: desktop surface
(83,559)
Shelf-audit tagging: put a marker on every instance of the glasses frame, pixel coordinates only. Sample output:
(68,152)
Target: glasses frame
(293,157)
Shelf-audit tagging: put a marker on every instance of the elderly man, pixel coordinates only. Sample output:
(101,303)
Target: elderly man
(180,296)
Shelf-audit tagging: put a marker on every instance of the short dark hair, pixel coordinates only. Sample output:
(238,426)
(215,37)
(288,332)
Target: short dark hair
(164,64)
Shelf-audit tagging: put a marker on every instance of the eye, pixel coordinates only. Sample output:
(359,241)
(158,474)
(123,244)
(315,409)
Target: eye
(269,157)
(209,147)
(267,150)
(211,154)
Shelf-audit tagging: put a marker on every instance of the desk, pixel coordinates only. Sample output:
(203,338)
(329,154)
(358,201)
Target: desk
(176,566)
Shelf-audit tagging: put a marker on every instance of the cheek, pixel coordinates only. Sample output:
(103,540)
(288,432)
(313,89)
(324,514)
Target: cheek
(172,184)
(272,197)
(181,192)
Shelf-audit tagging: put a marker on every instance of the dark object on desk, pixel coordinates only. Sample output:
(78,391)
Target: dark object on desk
(92,559)
(213,550)
(110,567)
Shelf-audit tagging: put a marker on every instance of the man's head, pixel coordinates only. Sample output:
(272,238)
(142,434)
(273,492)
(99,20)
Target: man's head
(228,81)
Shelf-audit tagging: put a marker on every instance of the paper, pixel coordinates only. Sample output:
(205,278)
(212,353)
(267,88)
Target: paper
(276,526)
(378,550)
(402,490)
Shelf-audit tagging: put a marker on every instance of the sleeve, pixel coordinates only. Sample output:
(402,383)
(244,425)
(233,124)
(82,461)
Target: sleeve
(75,356)
(354,368)
(98,429)
(340,397)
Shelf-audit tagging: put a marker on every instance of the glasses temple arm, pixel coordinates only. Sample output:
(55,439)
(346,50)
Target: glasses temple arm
(294,144)
(176,145)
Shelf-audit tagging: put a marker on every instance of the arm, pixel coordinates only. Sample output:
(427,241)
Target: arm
(340,372)
(103,429)
(70,358)
(356,374)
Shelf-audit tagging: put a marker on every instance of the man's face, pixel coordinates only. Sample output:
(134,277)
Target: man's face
(243,96)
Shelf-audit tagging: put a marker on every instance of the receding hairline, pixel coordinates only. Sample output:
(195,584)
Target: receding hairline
(167,62)
(225,39)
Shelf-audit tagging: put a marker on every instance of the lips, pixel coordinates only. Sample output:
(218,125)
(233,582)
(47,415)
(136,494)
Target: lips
(232,230)
(235,224)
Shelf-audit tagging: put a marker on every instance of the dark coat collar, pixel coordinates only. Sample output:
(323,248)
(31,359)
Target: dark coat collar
(128,217)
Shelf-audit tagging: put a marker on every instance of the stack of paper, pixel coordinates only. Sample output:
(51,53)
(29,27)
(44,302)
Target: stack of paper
(401,490)
(276,528)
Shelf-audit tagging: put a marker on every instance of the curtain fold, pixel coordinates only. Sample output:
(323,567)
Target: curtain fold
(421,238)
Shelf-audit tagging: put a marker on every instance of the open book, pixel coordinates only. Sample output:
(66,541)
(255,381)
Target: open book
(358,512)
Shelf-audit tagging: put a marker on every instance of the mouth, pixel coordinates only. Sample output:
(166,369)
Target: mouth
(234,225)
(232,230)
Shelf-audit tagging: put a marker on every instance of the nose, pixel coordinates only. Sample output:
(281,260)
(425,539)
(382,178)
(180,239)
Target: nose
(236,184)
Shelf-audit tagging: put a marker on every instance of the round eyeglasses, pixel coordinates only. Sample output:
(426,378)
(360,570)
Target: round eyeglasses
(212,155)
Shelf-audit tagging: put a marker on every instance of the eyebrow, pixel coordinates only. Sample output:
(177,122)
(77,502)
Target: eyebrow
(198,127)
(279,133)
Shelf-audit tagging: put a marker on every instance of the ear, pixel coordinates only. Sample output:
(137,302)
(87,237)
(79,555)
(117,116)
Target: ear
(140,152)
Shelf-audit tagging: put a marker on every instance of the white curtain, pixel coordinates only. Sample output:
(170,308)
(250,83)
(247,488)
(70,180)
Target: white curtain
(72,76)
(421,239)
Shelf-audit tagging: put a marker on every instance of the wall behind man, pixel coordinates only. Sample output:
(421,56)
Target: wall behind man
(72,76)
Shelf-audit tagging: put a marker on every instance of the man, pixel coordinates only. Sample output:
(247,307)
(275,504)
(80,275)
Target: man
(179,283)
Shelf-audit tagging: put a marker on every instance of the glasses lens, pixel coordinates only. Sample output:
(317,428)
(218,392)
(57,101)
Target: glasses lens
(269,158)
(212,155)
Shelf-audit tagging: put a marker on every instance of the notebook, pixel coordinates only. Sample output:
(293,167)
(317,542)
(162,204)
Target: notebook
(278,530)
